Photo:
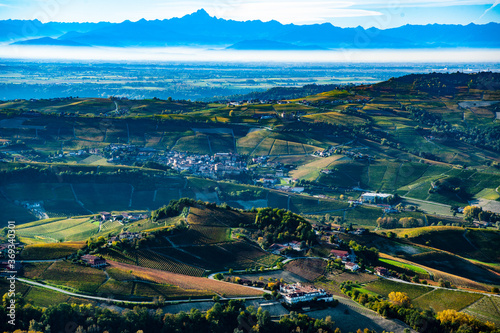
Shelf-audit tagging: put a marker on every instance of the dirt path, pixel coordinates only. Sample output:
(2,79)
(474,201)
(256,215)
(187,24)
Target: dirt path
(78,201)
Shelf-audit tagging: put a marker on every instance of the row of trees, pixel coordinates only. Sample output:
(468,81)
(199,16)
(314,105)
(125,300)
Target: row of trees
(231,317)
(477,213)
(404,222)
(68,174)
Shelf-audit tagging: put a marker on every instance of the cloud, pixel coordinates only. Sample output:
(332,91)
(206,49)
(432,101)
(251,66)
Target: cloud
(289,11)
(421,3)
(497,2)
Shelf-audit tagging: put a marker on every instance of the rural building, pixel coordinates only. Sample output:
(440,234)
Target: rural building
(390,210)
(276,248)
(296,293)
(372,197)
(5,267)
(344,255)
(359,231)
(130,235)
(295,245)
(94,261)
(353,267)
(381,271)
(105,216)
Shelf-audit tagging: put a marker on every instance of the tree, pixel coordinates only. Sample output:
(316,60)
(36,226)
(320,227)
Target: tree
(400,299)
(472,212)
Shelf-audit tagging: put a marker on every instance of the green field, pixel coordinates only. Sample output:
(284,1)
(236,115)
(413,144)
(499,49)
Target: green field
(442,299)
(50,251)
(40,297)
(385,287)
(485,309)
(363,216)
(72,229)
(35,270)
(63,273)
(409,267)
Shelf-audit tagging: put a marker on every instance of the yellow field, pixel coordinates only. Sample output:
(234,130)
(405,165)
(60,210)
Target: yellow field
(310,171)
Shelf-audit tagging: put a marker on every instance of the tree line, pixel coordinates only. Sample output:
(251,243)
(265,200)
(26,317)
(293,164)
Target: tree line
(231,317)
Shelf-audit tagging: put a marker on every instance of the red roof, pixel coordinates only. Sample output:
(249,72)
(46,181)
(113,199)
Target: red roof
(339,253)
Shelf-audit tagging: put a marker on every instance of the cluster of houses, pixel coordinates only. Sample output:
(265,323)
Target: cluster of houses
(297,293)
(4,249)
(210,166)
(335,102)
(277,248)
(347,259)
(124,235)
(122,217)
(338,150)
(71,154)
(291,189)
(7,268)
(36,208)
(125,153)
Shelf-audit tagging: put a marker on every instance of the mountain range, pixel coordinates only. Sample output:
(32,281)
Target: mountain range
(200,29)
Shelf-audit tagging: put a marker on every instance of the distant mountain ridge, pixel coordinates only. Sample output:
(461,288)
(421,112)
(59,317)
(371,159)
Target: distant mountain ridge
(201,29)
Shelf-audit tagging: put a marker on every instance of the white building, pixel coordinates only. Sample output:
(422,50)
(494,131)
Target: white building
(296,293)
(371,197)
(353,267)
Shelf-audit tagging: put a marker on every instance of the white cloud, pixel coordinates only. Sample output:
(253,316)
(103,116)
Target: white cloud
(423,3)
(497,2)
(291,12)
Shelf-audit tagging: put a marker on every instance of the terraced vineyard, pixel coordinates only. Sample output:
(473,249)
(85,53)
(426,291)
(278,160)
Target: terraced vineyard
(236,255)
(51,250)
(148,258)
(199,234)
(487,309)
(114,255)
(309,269)
(385,287)
(442,299)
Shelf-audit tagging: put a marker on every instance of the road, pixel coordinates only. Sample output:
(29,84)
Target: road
(427,202)
(211,276)
(109,300)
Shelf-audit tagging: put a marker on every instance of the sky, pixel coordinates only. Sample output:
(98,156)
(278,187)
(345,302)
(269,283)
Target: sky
(343,13)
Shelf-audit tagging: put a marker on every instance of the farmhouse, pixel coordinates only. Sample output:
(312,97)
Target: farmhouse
(381,271)
(105,216)
(344,255)
(296,293)
(353,267)
(295,245)
(372,197)
(94,261)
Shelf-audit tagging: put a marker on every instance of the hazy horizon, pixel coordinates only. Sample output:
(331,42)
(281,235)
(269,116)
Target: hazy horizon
(422,55)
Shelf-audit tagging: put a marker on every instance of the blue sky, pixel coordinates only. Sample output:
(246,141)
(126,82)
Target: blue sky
(344,13)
